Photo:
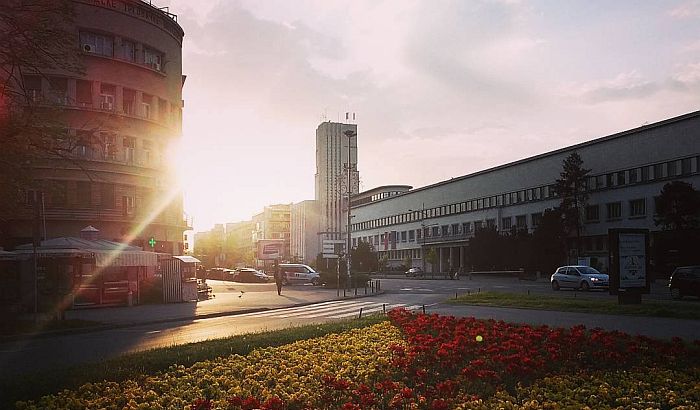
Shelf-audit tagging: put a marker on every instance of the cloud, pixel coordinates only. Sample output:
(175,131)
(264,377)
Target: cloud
(688,74)
(624,86)
(689,9)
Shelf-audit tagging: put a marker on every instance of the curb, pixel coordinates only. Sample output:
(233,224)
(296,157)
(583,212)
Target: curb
(91,329)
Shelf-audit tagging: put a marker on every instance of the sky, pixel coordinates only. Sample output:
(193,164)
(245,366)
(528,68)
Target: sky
(440,88)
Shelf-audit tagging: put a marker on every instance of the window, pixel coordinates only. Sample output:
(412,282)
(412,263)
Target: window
(466,227)
(536,219)
(152,58)
(634,175)
(614,210)
(59,194)
(444,230)
(109,147)
(435,231)
(673,169)
(146,101)
(491,223)
(592,213)
(455,229)
(506,223)
(83,93)
(521,221)
(645,174)
(477,225)
(659,171)
(84,194)
(600,181)
(637,207)
(129,101)
(32,85)
(147,148)
(82,146)
(107,195)
(418,234)
(404,236)
(58,90)
(107,93)
(128,51)
(129,149)
(411,235)
(96,43)
(621,178)
(686,166)
(609,180)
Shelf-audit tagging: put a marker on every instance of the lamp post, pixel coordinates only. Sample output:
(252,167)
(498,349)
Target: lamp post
(349,134)
(422,234)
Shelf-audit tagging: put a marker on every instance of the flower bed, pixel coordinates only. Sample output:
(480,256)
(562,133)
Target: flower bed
(426,362)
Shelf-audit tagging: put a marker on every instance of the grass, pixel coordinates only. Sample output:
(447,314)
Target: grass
(137,366)
(668,309)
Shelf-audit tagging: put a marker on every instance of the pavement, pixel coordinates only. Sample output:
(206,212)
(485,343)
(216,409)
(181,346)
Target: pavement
(229,298)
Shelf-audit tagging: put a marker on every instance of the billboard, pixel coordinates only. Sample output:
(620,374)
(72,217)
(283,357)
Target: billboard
(628,260)
(270,249)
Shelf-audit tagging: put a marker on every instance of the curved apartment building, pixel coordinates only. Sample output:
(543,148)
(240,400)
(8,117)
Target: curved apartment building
(123,114)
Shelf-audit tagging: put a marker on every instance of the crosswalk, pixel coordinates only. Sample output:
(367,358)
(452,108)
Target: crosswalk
(336,309)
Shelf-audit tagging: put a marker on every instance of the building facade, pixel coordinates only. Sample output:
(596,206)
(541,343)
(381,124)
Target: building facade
(238,245)
(304,241)
(273,223)
(628,170)
(336,155)
(123,113)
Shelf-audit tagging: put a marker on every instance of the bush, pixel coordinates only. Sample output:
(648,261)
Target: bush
(330,279)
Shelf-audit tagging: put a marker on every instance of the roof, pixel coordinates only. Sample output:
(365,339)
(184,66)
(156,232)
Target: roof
(187,259)
(107,253)
(574,147)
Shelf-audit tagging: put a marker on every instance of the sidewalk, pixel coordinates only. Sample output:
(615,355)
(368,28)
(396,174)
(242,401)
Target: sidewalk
(228,300)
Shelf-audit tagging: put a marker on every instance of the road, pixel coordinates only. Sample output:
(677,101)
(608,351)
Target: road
(46,353)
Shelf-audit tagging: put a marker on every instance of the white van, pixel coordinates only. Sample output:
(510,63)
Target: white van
(299,273)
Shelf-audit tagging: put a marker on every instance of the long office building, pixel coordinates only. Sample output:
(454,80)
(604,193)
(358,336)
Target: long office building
(122,113)
(628,170)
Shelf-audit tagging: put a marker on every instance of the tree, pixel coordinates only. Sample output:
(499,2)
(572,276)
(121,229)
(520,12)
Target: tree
(485,249)
(364,258)
(36,38)
(548,239)
(571,188)
(431,257)
(678,206)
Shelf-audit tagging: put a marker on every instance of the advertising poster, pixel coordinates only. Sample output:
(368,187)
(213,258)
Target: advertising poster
(632,259)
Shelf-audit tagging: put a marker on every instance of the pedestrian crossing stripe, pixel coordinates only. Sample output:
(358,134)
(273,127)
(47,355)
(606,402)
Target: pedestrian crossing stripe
(333,310)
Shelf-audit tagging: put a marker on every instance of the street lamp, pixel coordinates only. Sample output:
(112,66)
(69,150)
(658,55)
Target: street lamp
(349,134)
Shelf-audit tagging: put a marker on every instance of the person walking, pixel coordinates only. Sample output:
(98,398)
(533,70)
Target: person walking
(278,277)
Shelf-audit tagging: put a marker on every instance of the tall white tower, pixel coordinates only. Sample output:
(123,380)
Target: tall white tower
(332,145)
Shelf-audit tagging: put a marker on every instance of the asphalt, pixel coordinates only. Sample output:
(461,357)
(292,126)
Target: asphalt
(235,298)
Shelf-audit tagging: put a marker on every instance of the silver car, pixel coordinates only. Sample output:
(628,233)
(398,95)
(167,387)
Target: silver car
(299,273)
(579,277)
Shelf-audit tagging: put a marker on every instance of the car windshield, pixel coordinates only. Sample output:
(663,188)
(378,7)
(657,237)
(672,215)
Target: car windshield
(587,270)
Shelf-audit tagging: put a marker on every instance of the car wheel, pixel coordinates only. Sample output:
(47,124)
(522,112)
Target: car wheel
(555,285)
(585,287)
(315,282)
(676,293)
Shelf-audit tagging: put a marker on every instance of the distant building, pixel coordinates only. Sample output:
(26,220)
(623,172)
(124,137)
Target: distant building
(304,241)
(273,223)
(208,247)
(332,147)
(628,170)
(124,112)
(238,244)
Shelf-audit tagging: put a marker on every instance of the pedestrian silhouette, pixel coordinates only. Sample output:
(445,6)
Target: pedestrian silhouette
(278,278)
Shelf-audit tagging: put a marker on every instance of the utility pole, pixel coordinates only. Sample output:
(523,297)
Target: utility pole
(349,134)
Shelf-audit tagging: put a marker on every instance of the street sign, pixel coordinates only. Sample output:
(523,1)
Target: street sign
(332,248)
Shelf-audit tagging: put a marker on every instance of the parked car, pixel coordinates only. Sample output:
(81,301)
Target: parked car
(250,275)
(220,273)
(299,273)
(579,277)
(685,281)
(417,272)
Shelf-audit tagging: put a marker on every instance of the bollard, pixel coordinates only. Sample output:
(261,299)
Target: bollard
(384,308)
(455,295)
(423,309)
(469,292)
(365,288)
(528,292)
(343,292)
(379,285)
(355,290)
(360,317)
(479,290)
